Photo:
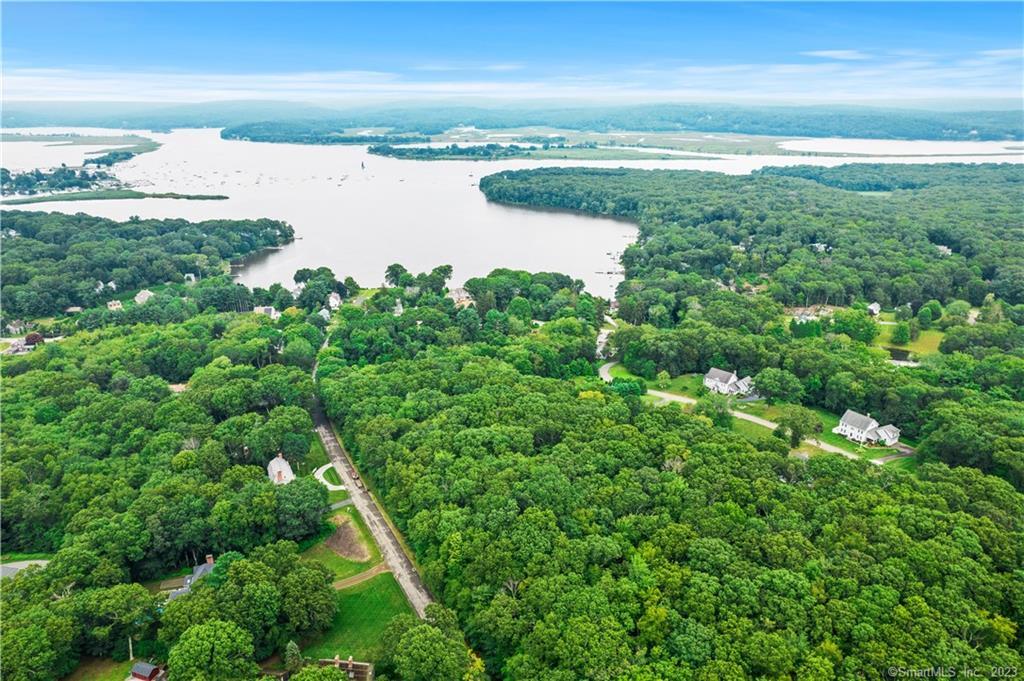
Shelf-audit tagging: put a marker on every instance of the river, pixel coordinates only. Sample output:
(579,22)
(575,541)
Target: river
(357,213)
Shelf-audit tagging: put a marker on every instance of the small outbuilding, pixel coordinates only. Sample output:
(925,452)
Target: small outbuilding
(143,296)
(114,305)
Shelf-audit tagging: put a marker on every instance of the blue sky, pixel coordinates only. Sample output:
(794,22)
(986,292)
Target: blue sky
(607,51)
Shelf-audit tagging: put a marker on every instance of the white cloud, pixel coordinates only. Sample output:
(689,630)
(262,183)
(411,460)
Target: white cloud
(993,74)
(842,55)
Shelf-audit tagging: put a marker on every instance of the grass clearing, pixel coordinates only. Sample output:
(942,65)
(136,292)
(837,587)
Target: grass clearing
(909,464)
(926,343)
(318,549)
(100,669)
(364,611)
(688,385)
(337,495)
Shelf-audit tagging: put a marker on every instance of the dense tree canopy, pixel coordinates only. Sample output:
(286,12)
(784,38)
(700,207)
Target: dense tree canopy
(52,260)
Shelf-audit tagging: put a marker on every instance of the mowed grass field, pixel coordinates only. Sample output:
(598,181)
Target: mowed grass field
(926,343)
(364,611)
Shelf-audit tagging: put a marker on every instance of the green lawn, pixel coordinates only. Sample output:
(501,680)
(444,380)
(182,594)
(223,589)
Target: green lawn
(686,384)
(100,669)
(927,342)
(317,457)
(364,611)
(909,464)
(11,556)
(331,476)
(336,496)
(342,567)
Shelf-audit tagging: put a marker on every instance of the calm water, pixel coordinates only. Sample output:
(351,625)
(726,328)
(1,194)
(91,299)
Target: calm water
(357,221)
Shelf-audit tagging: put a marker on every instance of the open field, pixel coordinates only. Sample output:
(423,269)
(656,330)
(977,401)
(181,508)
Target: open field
(364,611)
(926,343)
(110,194)
(346,551)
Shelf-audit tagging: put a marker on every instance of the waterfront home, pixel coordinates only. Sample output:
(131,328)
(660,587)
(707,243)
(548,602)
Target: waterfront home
(460,297)
(334,300)
(267,310)
(198,572)
(874,309)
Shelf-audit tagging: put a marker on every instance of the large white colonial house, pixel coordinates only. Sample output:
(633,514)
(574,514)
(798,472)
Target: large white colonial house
(279,470)
(864,429)
(726,382)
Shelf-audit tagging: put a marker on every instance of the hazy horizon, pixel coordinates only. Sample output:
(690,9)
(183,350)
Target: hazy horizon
(897,55)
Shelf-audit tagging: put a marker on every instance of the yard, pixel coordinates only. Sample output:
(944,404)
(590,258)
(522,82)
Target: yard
(100,669)
(331,476)
(686,384)
(364,611)
(317,457)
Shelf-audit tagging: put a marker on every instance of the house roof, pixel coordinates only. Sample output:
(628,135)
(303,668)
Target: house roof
(143,668)
(280,464)
(720,375)
(200,570)
(887,431)
(858,421)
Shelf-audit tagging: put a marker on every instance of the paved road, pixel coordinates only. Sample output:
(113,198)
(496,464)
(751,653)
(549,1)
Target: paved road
(12,568)
(606,374)
(390,548)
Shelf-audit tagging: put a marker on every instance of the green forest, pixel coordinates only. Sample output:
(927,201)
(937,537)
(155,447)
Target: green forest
(569,528)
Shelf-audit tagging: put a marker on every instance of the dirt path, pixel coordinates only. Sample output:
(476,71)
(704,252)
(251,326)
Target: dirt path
(391,550)
(361,577)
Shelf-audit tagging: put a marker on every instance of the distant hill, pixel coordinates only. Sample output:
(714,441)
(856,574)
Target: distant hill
(809,121)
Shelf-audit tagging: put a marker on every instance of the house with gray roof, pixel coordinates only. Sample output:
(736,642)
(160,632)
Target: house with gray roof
(198,572)
(866,430)
(727,383)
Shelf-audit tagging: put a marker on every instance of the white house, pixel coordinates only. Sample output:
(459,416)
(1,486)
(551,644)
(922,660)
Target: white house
(874,309)
(114,305)
(460,297)
(399,309)
(726,382)
(864,429)
(334,300)
(190,278)
(267,310)
(324,314)
(143,296)
(279,470)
